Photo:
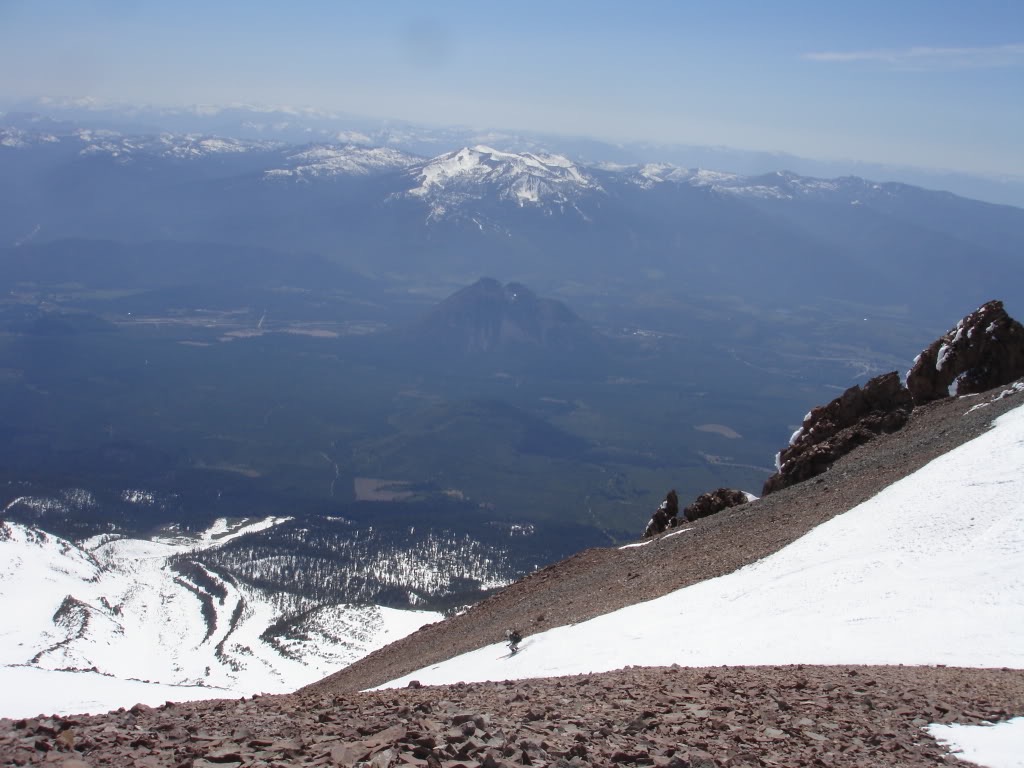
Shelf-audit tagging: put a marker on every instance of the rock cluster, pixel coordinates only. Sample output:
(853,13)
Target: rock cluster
(663,717)
(714,501)
(984,350)
(828,432)
(665,516)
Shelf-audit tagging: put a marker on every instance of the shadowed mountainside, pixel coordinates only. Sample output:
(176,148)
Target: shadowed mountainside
(488,317)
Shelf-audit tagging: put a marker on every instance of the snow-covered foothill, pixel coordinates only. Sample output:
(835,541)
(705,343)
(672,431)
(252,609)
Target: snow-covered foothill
(117,612)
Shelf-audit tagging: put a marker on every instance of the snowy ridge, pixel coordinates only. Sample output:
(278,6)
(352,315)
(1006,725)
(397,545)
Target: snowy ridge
(131,609)
(16,138)
(781,185)
(451,184)
(350,160)
(450,181)
(124,148)
(170,145)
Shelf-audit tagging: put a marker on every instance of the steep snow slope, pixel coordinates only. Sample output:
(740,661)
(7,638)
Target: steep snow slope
(128,610)
(930,571)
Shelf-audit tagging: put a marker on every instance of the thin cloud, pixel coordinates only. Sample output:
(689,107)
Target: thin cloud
(930,58)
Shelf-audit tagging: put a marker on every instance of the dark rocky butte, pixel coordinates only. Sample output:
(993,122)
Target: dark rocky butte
(487,317)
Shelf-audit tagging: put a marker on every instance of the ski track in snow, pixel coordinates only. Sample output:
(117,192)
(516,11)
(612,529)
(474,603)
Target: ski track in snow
(115,606)
(929,571)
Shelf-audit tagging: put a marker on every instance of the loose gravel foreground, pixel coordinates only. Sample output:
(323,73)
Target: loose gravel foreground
(673,717)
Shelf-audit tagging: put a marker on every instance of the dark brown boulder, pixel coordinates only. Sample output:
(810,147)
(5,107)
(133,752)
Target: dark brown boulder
(712,502)
(664,516)
(828,432)
(984,350)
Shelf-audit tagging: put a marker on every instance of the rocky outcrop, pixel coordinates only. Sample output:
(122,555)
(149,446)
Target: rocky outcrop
(828,432)
(664,516)
(984,350)
(714,501)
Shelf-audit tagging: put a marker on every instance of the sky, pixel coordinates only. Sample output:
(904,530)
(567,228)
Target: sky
(921,82)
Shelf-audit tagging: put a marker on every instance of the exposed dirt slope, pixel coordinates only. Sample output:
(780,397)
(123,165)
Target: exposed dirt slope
(597,581)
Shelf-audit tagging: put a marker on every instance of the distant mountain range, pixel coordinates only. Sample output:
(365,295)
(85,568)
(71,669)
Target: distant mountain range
(303,125)
(533,217)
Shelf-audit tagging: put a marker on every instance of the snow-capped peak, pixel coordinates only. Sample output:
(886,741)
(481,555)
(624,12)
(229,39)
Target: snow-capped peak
(474,172)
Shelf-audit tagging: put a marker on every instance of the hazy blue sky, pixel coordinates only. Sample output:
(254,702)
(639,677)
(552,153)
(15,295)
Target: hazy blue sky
(920,82)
